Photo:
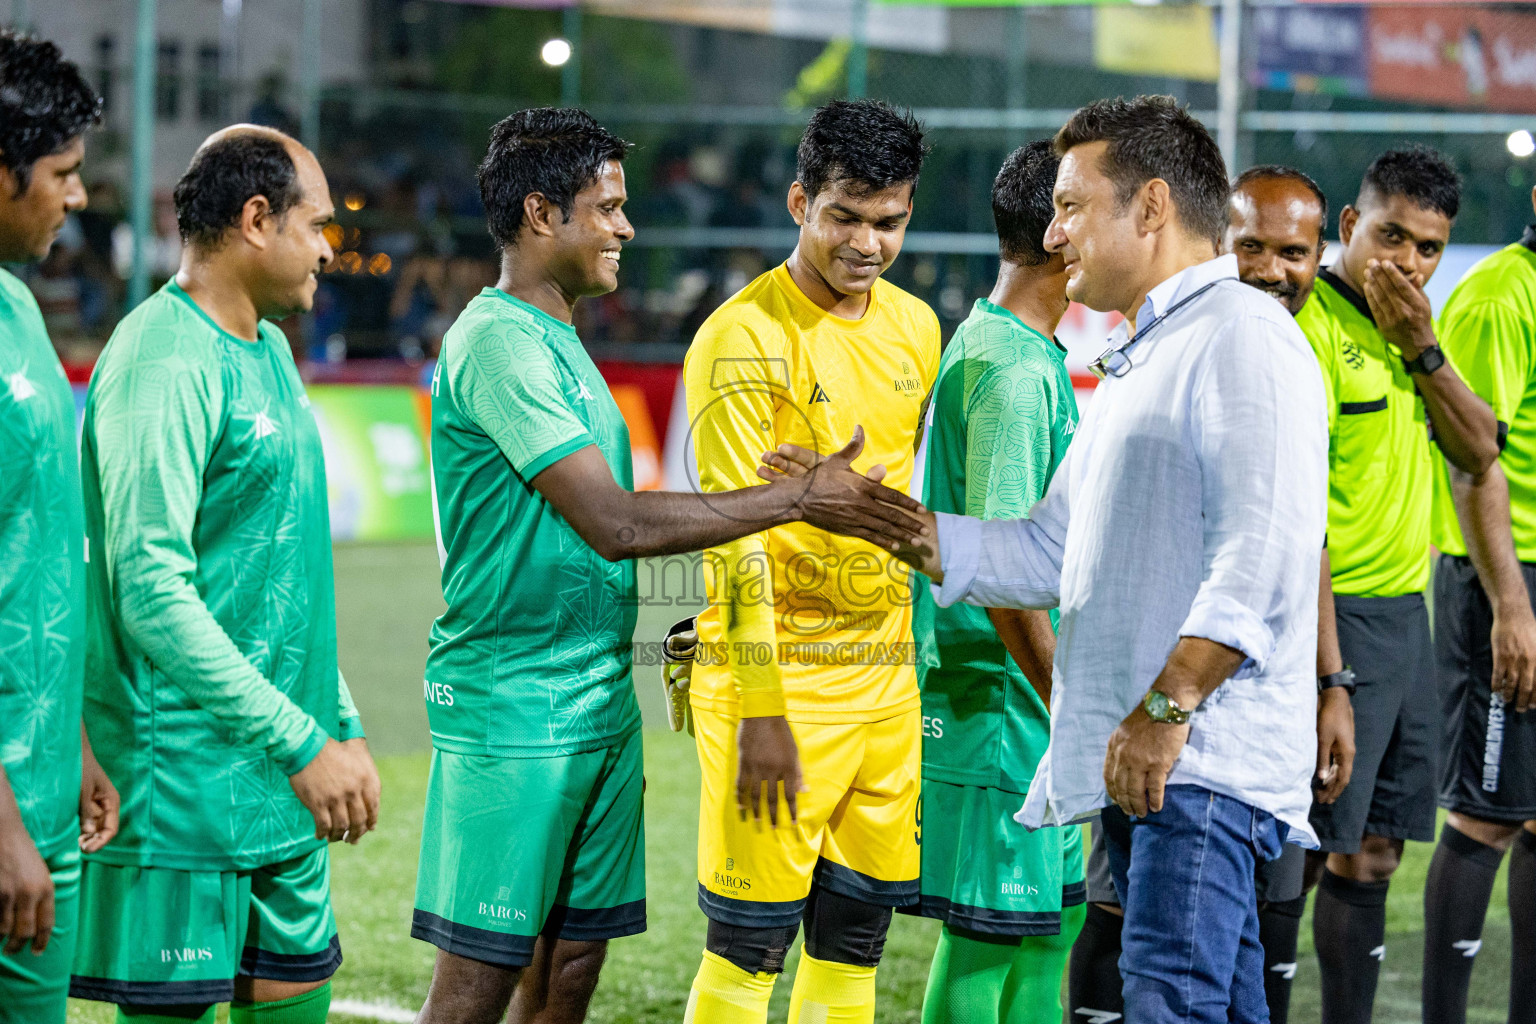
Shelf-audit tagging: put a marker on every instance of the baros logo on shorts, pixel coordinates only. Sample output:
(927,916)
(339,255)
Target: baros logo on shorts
(498,911)
(186,954)
(1493,744)
(727,879)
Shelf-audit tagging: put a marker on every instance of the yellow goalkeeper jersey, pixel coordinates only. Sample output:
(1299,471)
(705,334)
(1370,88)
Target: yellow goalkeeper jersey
(801,622)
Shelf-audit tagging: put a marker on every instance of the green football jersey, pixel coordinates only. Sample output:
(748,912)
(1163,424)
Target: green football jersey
(1380,464)
(532,657)
(1003,414)
(211,665)
(42,576)
(1488,328)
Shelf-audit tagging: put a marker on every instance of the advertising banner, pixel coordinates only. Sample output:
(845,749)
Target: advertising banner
(1178,42)
(375,461)
(1310,49)
(1454,56)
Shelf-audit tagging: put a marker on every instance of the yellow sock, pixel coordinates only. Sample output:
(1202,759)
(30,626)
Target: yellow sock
(725,994)
(828,993)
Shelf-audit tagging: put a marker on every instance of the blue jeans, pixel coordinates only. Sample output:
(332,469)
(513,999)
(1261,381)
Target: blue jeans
(1190,949)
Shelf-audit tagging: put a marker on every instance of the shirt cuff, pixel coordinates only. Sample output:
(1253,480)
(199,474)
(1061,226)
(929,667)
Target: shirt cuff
(959,554)
(1220,618)
(761,704)
(350,729)
(307,752)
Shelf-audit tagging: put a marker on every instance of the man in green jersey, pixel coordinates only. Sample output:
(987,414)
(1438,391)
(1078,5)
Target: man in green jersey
(213,690)
(1370,325)
(532,852)
(1004,411)
(54,798)
(1485,642)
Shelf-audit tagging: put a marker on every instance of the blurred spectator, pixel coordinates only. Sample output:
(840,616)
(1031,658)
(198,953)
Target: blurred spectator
(676,197)
(401,222)
(101,291)
(99,218)
(268,108)
(56,286)
(420,294)
(163,249)
(430,292)
(743,206)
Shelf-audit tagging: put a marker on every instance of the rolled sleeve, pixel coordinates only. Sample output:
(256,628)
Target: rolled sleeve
(1225,620)
(1258,428)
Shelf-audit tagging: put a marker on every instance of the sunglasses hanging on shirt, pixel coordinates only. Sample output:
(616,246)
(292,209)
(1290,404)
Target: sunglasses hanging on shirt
(1116,362)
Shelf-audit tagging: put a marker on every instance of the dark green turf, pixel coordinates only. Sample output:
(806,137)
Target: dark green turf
(387,596)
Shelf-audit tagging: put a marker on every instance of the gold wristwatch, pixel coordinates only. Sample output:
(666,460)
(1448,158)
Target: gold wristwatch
(1162,708)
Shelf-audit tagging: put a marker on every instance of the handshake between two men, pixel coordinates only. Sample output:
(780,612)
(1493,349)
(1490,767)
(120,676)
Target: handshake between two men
(840,499)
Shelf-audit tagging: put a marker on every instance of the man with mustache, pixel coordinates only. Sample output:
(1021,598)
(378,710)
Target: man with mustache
(54,799)
(212,680)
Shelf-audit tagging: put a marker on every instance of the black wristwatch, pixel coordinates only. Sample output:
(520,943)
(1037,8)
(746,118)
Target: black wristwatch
(1430,360)
(1345,678)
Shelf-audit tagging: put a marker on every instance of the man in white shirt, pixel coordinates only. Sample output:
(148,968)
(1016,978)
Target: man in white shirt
(1179,538)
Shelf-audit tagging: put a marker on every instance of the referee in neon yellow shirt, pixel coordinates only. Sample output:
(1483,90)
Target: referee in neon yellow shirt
(1371,327)
(1485,642)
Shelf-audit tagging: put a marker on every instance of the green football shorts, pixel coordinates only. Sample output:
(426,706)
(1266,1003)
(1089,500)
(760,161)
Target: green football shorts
(515,847)
(160,937)
(34,989)
(984,872)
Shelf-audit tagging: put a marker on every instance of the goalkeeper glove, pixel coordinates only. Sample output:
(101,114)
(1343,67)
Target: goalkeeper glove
(676,672)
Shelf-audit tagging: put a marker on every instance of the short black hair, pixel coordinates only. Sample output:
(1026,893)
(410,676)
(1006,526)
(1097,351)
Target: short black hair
(554,151)
(225,175)
(1280,172)
(1153,137)
(1021,202)
(865,145)
(1420,173)
(45,104)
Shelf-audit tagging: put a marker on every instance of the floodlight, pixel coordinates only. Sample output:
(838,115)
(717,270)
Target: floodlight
(557,51)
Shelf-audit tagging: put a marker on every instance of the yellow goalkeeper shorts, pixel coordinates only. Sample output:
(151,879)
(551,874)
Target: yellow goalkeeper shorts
(859,825)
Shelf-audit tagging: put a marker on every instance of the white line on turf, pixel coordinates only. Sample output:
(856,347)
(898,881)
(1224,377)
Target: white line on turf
(371,1010)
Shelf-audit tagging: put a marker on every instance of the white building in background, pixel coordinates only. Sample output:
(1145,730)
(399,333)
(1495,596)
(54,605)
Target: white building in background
(217,60)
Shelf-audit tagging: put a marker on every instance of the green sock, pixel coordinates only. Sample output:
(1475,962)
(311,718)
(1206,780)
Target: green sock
(307,1008)
(1032,994)
(167,1014)
(965,985)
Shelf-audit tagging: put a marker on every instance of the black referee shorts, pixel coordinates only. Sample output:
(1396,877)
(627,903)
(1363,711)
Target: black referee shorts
(1392,790)
(1489,770)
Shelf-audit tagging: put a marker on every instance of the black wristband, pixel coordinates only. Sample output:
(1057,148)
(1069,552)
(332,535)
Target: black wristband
(1428,361)
(1344,678)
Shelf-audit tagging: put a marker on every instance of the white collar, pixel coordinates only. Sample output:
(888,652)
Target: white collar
(1169,292)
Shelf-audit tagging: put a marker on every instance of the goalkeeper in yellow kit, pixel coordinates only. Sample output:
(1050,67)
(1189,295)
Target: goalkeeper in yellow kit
(804,694)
